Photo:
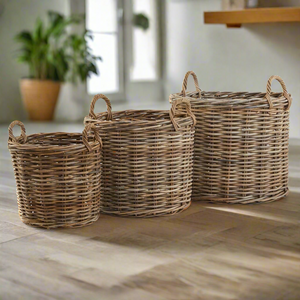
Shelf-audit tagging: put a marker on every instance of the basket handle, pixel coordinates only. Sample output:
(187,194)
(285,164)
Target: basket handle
(185,81)
(284,89)
(23,132)
(172,112)
(85,133)
(108,105)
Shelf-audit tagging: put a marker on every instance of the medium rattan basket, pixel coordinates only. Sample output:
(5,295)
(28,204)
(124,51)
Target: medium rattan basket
(147,160)
(57,177)
(241,144)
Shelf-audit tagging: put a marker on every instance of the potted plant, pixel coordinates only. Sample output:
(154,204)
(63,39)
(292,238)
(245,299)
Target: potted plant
(53,55)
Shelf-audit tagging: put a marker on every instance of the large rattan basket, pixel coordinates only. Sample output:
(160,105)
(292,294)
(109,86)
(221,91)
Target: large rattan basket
(57,177)
(147,160)
(241,143)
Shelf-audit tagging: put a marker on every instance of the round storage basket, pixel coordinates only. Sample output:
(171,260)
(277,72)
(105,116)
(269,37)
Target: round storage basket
(147,160)
(57,177)
(241,143)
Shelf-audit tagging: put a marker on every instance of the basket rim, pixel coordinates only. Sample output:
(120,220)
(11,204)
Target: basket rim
(39,147)
(262,95)
(136,121)
(234,96)
(250,100)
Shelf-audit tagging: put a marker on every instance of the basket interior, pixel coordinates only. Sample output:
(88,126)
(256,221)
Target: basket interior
(55,139)
(48,141)
(138,115)
(232,95)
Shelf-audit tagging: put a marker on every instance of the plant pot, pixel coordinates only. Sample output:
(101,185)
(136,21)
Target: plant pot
(39,97)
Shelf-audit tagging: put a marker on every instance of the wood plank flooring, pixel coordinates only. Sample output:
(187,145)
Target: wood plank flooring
(207,252)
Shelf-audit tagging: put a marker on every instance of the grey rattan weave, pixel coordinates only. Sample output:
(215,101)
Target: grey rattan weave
(241,144)
(147,160)
(57,177)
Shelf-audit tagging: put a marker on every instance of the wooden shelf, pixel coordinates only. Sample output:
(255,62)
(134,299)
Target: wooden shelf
(236,18)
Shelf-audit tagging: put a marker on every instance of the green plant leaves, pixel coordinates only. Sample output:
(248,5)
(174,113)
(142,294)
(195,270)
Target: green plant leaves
(38,31)
(54,18)
(53,53)
(24,37)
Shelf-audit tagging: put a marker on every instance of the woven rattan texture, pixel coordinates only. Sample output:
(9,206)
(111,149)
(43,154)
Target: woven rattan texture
(58,177)
(241,144)
(147,161)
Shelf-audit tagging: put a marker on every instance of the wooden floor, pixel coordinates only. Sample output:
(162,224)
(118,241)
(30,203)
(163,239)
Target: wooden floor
(207,252)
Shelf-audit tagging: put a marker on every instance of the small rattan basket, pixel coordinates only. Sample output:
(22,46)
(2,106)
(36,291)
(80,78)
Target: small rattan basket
(241,143)
(147,160)
(57,177)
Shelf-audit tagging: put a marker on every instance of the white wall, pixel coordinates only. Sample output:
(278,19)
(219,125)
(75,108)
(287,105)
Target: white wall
(231,59)
(19,15)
